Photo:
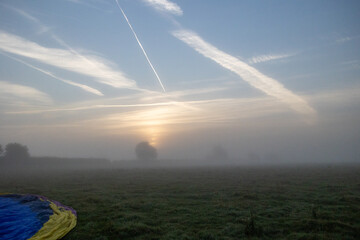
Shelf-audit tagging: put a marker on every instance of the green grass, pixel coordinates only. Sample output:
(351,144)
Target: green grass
(204,203)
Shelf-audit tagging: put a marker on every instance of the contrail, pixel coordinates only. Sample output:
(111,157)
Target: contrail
(248,73)
(142,48)
(82,86)
(99,106)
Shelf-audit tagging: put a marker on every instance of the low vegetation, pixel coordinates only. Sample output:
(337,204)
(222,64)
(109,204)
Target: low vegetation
(204,203)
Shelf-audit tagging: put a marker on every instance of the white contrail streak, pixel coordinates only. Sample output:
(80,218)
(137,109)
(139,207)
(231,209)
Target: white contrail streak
(99,106)
(251,75)
(82,86)
(142,48)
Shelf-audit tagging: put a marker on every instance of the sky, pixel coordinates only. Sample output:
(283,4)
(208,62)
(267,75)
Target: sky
(268,81)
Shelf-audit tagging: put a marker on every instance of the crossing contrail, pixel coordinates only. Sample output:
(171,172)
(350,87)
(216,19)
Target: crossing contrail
(142,48)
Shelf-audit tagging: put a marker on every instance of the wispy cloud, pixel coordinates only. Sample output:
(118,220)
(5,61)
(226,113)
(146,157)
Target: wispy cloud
(246,72)
(82,86)
(92,107)
(143,99)
(165,6)
(91,3)
(344,39)
(180,94)
(144,113)
(172,116)
(269,57)
(10,93)
(42,28)
(88,65)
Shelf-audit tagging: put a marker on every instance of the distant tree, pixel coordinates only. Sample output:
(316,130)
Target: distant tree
(144,151)
(1,150)
(16,152)
(254,158)
(218,153)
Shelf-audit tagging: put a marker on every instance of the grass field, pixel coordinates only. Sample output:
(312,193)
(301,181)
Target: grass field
(204,203)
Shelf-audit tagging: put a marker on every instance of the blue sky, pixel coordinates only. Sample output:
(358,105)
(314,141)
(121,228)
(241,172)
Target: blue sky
(266,77)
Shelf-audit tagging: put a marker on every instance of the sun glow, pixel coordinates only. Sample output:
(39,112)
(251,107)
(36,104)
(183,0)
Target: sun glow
(153,124)
(153,135)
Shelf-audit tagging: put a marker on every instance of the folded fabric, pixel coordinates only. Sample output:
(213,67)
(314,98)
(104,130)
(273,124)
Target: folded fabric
(34,217)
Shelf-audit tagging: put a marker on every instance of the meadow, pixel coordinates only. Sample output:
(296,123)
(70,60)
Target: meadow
(298,202)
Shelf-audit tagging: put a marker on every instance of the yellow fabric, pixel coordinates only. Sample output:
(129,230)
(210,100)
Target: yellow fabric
(59,224)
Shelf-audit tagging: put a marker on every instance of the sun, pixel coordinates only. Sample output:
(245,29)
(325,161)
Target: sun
(153,135)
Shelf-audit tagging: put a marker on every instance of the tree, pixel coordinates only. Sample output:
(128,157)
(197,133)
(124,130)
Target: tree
(144,151)
(16,152)
(218,153)
(254,157)
(1,150)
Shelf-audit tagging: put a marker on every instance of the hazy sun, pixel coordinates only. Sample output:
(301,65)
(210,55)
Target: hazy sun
(153,135)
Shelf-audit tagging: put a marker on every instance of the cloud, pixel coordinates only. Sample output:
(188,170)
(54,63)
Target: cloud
(142,99)
(183,93)
(42,28)
(82,86)
(346,39)
(10,92)
(266,58)
(184,114)
(171,117)
(165,6)
(91,3)
(177,116)
(88,65)
(93,107)
(248,73)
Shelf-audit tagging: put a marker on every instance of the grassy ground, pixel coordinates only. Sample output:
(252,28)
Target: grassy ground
(204,203)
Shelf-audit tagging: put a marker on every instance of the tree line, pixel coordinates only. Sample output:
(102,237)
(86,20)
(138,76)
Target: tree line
(16,152)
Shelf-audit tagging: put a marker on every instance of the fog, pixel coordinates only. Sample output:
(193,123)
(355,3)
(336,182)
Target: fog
(170,119)
(197,95)
(255,144)
(266,141)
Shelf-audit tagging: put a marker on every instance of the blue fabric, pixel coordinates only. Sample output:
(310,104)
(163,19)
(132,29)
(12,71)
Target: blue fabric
(21,216)
(41,208)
